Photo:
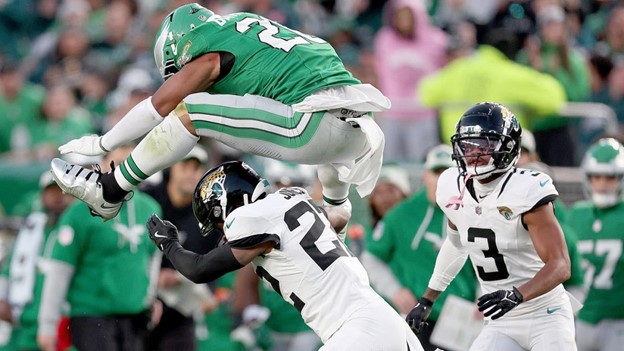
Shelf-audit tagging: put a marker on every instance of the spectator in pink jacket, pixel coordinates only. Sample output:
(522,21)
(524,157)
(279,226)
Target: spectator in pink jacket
(407,48)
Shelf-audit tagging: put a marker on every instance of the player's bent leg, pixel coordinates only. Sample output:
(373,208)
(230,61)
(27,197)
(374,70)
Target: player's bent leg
(163,146)
(493,340)
(105,193)
(269,128)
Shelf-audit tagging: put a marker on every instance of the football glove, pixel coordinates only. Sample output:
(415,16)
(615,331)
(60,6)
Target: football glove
(88,145)
(500,301)
(417,318)
(162,233)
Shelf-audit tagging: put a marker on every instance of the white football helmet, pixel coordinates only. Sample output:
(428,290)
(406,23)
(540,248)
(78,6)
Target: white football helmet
(605,157)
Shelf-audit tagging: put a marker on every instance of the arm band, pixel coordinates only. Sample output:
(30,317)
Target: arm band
(136,123)
(449,262)
(202,268)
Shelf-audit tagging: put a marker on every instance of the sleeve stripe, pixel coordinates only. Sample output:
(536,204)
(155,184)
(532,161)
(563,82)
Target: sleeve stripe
(255,240)
(546,199)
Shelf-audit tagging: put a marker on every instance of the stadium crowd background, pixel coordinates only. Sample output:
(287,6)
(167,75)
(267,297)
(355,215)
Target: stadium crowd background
(75,67)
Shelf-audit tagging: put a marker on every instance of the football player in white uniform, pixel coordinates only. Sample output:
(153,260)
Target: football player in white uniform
(503,218)
(292,245)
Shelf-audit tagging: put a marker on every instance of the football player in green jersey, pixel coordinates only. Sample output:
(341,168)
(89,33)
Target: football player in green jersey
(252,84)
(598,223)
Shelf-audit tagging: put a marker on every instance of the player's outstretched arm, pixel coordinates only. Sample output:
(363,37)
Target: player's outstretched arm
(200,268)
(195,77)
(551,246)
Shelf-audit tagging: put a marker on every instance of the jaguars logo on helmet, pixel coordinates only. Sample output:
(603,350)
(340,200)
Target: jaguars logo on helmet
(223,189)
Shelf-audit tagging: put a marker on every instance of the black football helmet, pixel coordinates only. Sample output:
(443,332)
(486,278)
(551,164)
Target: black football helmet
(223,189)
(486,129)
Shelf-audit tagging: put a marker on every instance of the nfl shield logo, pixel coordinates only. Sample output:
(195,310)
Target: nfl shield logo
(478,210)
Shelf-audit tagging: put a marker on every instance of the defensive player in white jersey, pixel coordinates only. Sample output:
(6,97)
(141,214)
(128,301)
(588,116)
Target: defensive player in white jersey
(503,218)
(292,245)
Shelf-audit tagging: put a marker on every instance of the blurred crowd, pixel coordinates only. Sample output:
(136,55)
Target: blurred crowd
(75,67)
(72,67)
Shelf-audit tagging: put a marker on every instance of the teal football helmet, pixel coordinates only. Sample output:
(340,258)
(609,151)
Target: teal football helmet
(175,26)
(605,157)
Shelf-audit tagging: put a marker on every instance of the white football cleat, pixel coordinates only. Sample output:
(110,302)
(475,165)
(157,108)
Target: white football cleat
(83,184)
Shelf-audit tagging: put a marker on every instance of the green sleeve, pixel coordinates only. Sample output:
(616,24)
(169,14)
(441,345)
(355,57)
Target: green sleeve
(6,265)
(381,242)
(73,234)
(576,272)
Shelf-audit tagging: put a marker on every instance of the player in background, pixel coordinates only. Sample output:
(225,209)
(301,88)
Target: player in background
(292,245)
(252,84)
(503,218)
(599,223)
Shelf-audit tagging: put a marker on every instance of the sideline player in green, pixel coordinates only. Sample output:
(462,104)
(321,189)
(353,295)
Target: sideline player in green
(106,271)
(598,223)
(21,282)
(252,84)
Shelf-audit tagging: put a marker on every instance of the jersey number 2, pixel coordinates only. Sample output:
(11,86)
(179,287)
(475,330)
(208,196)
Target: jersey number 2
(268,34)
(308,243)
(492,251)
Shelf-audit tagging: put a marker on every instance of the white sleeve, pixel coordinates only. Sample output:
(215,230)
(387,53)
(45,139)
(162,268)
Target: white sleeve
(380,275)
(136,123)
(449,262)
(58,275)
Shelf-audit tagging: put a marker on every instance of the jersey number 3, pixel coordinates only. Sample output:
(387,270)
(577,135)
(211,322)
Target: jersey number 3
(492,252)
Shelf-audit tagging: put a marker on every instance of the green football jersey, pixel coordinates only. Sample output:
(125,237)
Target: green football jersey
(111,259)
(409,240)
(270,60)
(600,242)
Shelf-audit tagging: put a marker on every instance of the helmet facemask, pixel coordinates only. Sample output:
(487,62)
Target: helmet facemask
(174,27)
(486,130)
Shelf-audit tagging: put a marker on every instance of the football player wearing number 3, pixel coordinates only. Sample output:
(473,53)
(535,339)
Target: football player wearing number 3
(291,244)
(252,84)
(503,218)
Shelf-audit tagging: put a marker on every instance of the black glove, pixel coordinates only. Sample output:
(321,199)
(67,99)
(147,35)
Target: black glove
(417,317)
(502,300)
(162,233)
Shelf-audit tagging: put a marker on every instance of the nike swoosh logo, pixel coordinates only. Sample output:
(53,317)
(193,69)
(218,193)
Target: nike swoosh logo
(105,206)
(552,310)
(159,236)
(228,225)
(544,182)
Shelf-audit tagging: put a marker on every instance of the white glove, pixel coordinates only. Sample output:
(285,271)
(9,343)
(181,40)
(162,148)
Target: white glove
(89,145)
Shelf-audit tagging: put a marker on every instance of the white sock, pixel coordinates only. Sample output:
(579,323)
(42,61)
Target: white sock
(334,191)
(163,146)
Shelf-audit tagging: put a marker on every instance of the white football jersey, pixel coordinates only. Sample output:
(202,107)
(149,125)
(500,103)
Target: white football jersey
(491,228)
(310,267)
